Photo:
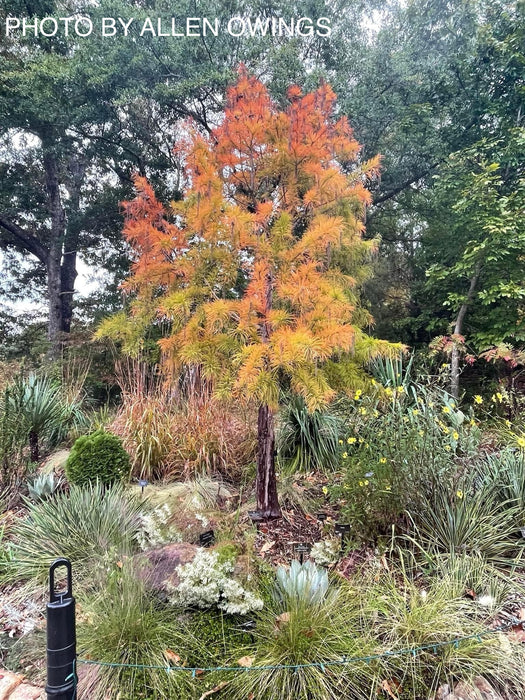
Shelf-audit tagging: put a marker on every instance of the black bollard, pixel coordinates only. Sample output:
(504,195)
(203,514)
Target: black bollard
(61,638)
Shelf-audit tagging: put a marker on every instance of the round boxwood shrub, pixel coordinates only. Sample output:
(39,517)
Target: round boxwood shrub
(97,457)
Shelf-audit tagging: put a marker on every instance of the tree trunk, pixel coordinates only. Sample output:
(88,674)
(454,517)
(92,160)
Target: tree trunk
(34,452)
(57,238)
(266,482)
(458,327)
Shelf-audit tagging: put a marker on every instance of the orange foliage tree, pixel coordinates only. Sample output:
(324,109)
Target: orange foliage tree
(254,274)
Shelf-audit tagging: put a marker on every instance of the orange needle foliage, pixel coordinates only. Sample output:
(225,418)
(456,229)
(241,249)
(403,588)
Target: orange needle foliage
(251,271)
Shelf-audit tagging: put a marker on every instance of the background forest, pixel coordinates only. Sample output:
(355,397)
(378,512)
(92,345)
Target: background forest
(262,351)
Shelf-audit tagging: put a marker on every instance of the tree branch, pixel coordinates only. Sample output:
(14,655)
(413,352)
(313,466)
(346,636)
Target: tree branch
(25,240)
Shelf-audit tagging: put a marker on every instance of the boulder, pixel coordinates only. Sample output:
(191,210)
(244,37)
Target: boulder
(158,567)
(479,689)
(27,692)
(8,682)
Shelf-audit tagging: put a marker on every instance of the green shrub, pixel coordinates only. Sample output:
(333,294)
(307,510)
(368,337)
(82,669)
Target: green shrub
(398,445)
(97,457)
(92,526)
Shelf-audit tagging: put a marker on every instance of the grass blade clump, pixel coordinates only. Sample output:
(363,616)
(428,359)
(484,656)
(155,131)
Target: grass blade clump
(125,625)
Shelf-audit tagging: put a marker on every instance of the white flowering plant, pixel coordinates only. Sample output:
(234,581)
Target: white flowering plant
(207,581)
(326,552)
(156,528)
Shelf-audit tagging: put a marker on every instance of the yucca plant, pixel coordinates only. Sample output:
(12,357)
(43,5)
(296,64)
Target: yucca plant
(41,412)
(89,525)
(308,440)
(466,522)
(393,371)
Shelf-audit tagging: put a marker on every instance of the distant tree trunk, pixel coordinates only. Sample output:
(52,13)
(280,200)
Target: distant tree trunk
(266,483)
(458,328)
(57,239)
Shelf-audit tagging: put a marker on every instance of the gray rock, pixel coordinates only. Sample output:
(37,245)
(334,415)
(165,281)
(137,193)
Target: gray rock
(158,567)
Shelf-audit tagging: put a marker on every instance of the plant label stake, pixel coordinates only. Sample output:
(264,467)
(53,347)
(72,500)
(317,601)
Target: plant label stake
(207,538)
(343,531)
(301,550)
(61,638)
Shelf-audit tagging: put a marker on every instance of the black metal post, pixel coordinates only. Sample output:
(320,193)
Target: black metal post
(61,638)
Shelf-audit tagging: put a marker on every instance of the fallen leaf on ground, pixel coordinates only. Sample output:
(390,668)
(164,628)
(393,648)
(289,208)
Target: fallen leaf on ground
(390,688)
(246,661)
(214,690)
(172,656)
(267,546)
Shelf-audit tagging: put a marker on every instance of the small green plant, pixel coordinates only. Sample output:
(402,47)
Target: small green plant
(43,487)
(326,552)
(90,525)
(97,457)
(306,581)
(306,622)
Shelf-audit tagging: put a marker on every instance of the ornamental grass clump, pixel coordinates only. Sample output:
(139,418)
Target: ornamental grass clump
(307,624)
(91,525)
(124,624)
(406,613)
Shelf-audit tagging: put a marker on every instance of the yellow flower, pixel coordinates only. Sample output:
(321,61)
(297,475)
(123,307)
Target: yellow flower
(350,440)
(455,435)
(388,391)
(361,483)
(325,490)
(400,388)
(473,422)
(445,409)
(382,460)
(493,398)
(345,455)
(388,487)
(415,411)
(367,445)
(446,430)
(340,442)
(447,447)
(478,398)
(357,395)
(421,433)
(521,442)
(362,411)
(376,413)
(499,397)
(508,423)
(459,494)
